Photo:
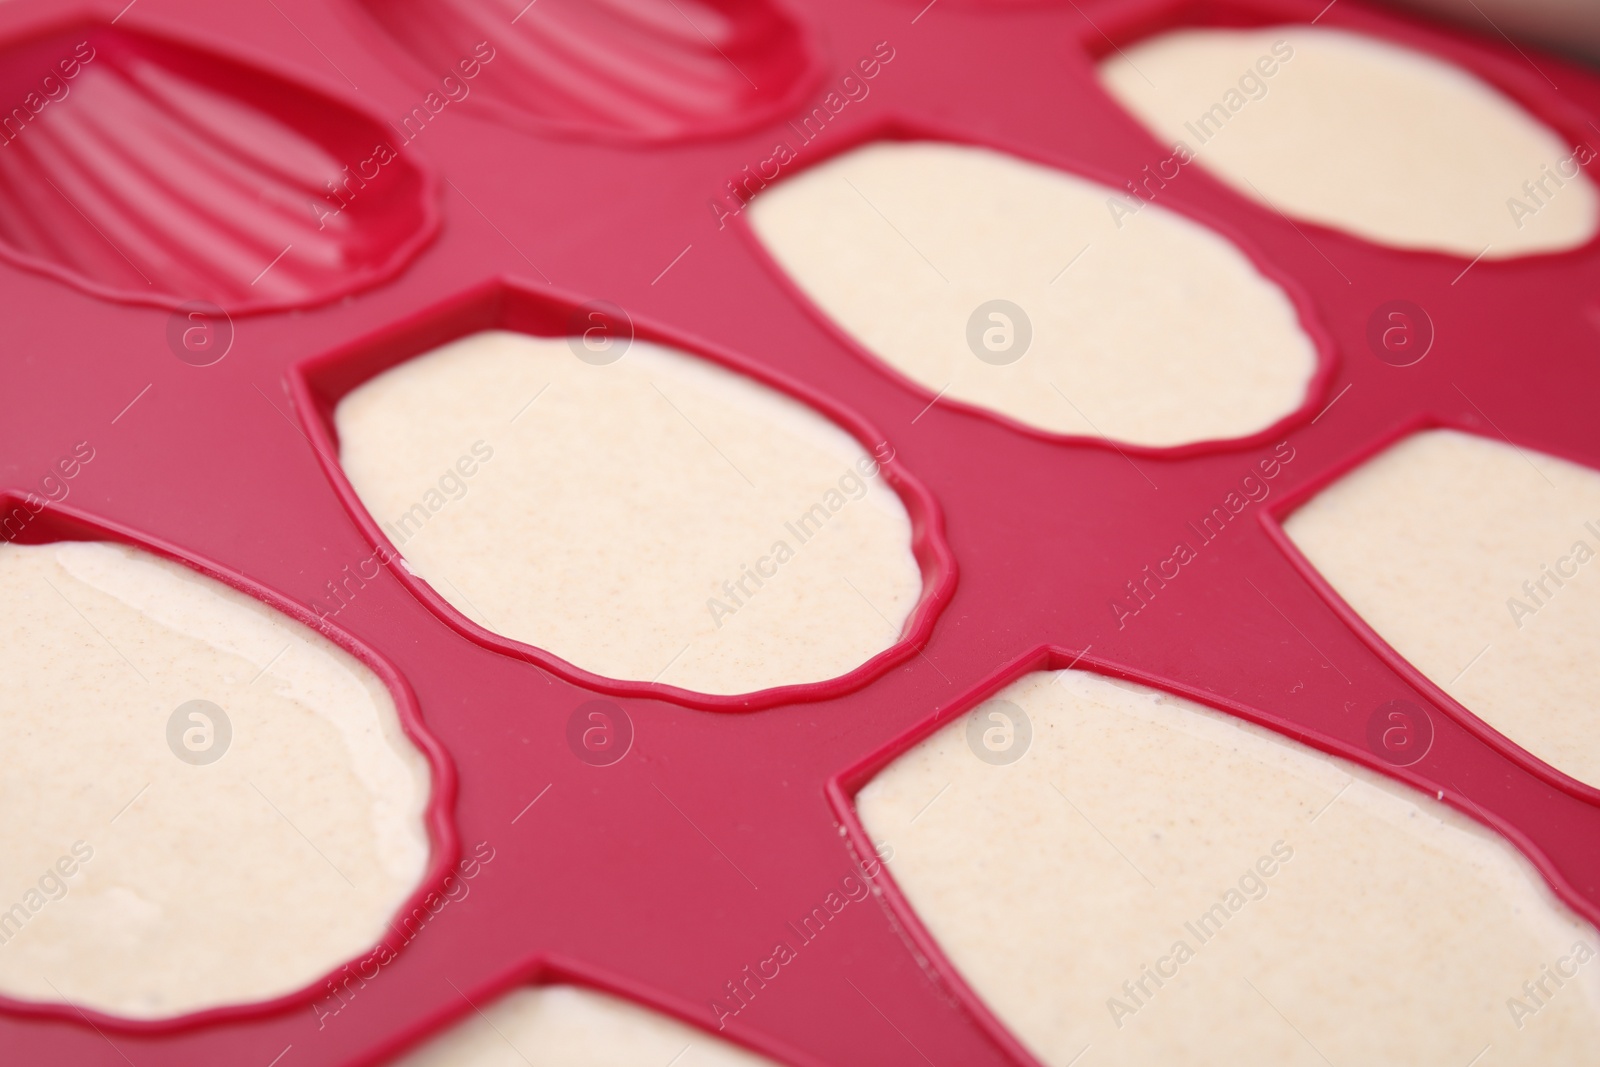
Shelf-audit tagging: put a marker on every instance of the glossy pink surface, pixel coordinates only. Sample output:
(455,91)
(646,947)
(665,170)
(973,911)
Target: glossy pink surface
(664,874)
(631,70)
(144,169)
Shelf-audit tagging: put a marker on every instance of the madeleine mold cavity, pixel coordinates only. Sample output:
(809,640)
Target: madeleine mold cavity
(148,170)
(211,805)
(563,1026)
(1474,559)
(1155,865)
(1393,145)
(652,518)
(618,637)
(650,70)
(1011,286)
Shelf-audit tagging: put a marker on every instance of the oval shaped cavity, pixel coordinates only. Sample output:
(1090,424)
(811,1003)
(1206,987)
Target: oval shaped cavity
(652,70)
(1168,883)
(215,805)
(1474,559)
(154,172)
(566,1024)
(1011,286)
(1361,135)
(652,518)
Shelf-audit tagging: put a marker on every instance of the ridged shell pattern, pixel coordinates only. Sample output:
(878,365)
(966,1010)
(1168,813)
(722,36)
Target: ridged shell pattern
(650,70)
(147,170)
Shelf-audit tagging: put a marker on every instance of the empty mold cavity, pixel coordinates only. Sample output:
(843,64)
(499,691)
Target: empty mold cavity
(1389,144)
(1013,287)
(657,518)
(630,69)
(208,804)
(1475,560)
(155,172)
(1169,884)
(566,1026)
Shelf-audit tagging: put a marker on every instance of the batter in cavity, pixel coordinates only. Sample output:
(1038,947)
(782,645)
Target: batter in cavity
(1027,291)
(566,1026)
(1166,884)
(1387,143)
(1475,559)
(207,804)
(656,518)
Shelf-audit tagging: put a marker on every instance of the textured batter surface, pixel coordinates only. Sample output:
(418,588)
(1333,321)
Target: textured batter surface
(657,518)
(145,885)
(1476,561)
(565,1026)
(1141,326)
(1162,884)
(1386,143)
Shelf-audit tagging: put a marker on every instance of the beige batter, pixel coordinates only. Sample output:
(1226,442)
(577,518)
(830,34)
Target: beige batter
(567,1026)
(1364,136)
(1147,327)
(642,519)
(1476,561)
(1360,922)
(144,886)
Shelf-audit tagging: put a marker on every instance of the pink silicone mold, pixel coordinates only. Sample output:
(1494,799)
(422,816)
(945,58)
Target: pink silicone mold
(180,175)
(61,522)
(636,70)
(668,875)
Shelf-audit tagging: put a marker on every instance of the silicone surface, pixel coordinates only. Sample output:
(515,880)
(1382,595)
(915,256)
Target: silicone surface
(144,168)
(663,873)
